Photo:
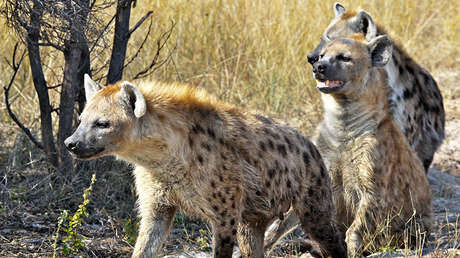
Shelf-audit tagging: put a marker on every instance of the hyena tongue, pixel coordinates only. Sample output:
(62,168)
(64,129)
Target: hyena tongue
(334,83)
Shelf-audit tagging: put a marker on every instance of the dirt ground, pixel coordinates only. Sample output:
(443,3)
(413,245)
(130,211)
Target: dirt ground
(32,198)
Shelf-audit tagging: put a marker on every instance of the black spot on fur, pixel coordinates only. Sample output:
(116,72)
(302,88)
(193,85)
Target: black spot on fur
(233,231)
(224,167)
(214,207)
(211,133)
(306,159)
(221,141)
(262,146)
(223,200)
(206,146)
(190,141)
(221,178)
(310,192)
(197,129)
(232,222)
(288,183)
(200,159)
(282,149)
(263,119)
(409,69)
(401,69)
(408,94)
(270,144)
(258,193)
(213,184)
(267,183)
(271,173)
(322,170)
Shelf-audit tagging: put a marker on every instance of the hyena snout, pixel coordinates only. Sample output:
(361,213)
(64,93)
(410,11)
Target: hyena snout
(72,145)
(313,58)
(320,68)
(81,150)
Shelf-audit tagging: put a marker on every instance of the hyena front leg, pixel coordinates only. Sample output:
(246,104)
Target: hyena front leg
(279,229)
(316,213)
(224,236)
(156,217)
(251,239)
(153,230)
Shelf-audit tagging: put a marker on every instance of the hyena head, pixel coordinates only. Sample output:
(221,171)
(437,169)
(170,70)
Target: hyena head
(345,23)
(107,119)
(345,63)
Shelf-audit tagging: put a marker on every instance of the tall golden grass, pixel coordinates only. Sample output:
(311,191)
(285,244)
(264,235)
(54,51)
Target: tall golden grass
(253,53)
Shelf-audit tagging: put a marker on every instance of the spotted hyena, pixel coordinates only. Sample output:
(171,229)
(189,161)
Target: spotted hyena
(415,100)
(235,168)
(378,180)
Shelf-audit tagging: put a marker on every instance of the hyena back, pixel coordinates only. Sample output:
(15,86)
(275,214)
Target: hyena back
(237,169)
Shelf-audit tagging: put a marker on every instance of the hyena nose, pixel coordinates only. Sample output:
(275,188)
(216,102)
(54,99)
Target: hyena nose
(70,144)
(319,67)
(312,58)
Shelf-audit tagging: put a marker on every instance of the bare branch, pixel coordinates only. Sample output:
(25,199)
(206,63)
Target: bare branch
(139,23)
(7,101)
(50,44)
(140,47)
(154,65)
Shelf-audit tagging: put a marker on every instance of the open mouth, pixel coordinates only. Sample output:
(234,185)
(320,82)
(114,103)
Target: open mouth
(328,86)
(87,154)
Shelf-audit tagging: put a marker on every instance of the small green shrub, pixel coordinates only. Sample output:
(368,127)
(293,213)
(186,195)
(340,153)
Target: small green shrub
(73,241)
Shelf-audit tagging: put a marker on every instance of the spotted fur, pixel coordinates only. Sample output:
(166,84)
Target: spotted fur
(237,169)
(415,100)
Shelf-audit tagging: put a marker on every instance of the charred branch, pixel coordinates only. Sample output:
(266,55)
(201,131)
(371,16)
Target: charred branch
(7,88)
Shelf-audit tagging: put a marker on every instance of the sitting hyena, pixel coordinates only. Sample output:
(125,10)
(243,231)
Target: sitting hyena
(380,189)
(239,170)
(415,100)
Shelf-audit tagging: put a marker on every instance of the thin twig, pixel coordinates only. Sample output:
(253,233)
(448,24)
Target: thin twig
(161,42)
(139,23)
(7,101)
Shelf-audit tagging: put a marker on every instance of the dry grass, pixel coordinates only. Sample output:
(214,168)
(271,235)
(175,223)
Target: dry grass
(249,53)
(252,53)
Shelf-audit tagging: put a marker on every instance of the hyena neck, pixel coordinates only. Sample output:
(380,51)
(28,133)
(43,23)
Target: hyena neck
(354,115)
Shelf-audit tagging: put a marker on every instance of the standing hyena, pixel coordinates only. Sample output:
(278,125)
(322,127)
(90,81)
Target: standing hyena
(380,189)
(415,100)
(237,169)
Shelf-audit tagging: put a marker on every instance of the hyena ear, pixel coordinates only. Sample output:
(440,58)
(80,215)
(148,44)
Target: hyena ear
(339,9)
(91,87)
(380,49)
(133,96)
(366,25)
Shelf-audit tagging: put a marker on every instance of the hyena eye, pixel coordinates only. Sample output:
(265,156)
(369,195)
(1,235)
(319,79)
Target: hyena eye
(341,57)
(102,124)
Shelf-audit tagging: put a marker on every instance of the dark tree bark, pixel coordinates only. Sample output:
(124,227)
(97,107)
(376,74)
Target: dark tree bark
(120,41)
(33,35)
(74,49)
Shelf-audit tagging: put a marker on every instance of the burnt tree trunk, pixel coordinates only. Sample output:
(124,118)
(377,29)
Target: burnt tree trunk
(33,35)
(120,41)
(74,51)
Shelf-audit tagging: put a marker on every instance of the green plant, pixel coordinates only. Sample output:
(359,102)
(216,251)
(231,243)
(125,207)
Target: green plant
(131,227)
(203,241)
(73,241)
